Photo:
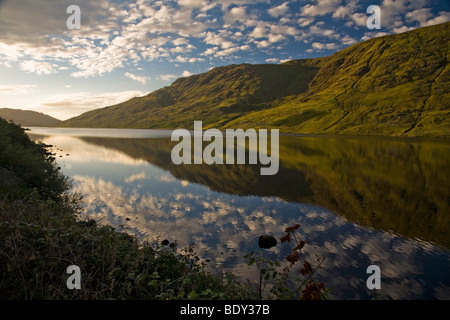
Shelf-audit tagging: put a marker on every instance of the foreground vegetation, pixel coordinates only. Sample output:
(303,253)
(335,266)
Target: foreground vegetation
(41,236)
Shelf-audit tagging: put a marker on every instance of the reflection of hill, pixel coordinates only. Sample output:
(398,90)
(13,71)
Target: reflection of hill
(398,185)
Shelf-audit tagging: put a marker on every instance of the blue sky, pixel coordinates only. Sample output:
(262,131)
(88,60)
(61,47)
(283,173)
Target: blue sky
(130,48)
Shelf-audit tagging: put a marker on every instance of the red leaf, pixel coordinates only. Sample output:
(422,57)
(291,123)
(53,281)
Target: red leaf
(293,257)
(290,229)
(306,268)
(300,245)
(287,238)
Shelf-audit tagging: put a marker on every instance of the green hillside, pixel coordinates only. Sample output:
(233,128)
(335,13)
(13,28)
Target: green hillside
(391,85)
(28,118)
(215,97)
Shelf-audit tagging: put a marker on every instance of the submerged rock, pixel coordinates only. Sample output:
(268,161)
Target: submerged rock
(267,242)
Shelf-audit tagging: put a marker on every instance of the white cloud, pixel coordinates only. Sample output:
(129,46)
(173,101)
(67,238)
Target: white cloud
(167,77)
(323,46)
(345,11)
(193,60)
(15,90)
(235,14)
(139,176)
(180,41)
(279,10)
(360,19)
(370,35)
(393,11)
(166,178)
(39,67)
(69,105)
(322,7)
(403,29)
(259,32)
(186,73)
(276,38)
(444,16)
(10,52)
(347,40)
(425,17)
(192,3)
(264,44)
(210,51)
(305,21)
(141,79)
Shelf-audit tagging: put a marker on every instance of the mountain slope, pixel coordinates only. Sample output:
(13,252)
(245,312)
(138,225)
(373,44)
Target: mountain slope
(391,85)
(215,97)
(28,118)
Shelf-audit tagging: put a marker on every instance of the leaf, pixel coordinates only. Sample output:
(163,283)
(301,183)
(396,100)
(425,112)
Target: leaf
(285,238)
(300,245)
(293,257)
(293,228)
(306,268)
(249,254)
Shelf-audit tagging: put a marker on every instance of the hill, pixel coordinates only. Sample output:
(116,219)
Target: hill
(392,85)
(28,118)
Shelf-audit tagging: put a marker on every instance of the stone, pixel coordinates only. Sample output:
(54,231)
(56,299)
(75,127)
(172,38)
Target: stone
(266,242)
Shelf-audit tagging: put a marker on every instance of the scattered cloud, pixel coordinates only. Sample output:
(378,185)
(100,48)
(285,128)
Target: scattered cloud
(166,38)
(186,73)
(322,46)
(141,79)
(69,105)
(119,35)
(40,68)
(272,60)
(320,8)
(279,10)
(166,178)
(23,89)
(168,77)
(138,176)
(426,18)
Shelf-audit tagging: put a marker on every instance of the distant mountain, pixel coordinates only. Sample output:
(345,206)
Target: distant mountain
(28,118)
(393,85)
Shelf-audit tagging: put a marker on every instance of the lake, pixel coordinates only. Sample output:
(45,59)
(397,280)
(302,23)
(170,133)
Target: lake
(359,201)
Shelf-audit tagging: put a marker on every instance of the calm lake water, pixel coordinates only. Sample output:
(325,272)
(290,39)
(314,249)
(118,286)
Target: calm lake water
(359,201)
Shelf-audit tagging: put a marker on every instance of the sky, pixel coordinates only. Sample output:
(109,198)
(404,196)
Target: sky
(125,49)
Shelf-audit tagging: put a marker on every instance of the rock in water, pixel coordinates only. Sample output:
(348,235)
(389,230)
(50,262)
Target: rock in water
(267,242)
